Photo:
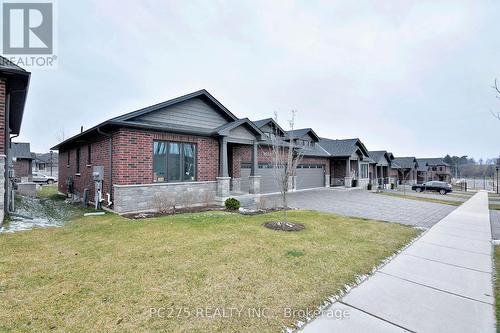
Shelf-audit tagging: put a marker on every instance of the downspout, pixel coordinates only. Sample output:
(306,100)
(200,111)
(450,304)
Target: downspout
(6,198)
(110,151)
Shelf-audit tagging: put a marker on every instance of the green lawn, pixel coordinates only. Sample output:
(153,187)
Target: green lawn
(497,285)
(107,273)
(413,197)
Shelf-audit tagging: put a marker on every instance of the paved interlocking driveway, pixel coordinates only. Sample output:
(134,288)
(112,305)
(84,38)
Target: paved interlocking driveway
(365,204)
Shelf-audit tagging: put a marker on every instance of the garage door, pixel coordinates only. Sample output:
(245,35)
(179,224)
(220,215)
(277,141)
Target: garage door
(310,176)
(268,183)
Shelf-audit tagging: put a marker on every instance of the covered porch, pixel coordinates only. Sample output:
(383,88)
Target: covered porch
(349,172)
(237,140)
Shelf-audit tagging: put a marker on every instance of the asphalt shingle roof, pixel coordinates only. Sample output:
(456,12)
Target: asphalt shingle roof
(377,155)
(9,65)
(21,150)
(403,162)
(345,147)
(432,161)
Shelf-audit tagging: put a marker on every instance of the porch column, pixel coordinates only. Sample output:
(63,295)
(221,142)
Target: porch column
(255,160)
(376,175)
(223,169)
(348,177)
(254,179)
(223,181)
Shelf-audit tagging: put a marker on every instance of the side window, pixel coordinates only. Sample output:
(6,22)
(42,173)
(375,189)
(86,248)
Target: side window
(77,160)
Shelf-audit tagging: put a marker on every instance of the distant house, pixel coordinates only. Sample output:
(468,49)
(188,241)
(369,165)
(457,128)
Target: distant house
(21,160)
(14,82)
(46,163)
(404,170)
(433,169)
(380,167)
(349,162)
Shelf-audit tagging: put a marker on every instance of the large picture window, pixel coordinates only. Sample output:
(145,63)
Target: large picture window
(364,171)
(174,161)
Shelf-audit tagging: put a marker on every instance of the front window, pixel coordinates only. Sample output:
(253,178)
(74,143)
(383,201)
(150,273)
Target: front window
(364,171)
(174,161)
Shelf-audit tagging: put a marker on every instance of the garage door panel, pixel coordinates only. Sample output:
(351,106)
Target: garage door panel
(310,177)
(268,183)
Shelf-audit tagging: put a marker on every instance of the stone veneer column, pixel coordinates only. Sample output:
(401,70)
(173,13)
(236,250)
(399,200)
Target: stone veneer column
(223,187)
(254,184)
(2,187)
(236,184)
(327,180)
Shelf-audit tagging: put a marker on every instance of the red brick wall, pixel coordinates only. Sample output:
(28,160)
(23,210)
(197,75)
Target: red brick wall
(133,155)
(99,157)
(2,116)
(22,168)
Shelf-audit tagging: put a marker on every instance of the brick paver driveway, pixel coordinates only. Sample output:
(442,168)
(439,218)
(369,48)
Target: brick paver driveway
(361,203)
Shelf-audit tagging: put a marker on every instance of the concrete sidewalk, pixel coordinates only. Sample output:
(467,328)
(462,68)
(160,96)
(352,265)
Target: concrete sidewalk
(441,283)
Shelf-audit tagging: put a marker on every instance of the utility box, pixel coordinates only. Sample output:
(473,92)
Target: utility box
(98,173)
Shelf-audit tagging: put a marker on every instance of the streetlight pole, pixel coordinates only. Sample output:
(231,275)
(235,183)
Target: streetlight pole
(497,178)
(51,152)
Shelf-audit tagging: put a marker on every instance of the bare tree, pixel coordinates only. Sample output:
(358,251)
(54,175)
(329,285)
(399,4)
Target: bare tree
(405,176)
(284,158)
(497,90)
(60,135)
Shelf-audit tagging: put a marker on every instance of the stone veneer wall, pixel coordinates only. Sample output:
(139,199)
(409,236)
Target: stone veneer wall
(135,198)
(2,187)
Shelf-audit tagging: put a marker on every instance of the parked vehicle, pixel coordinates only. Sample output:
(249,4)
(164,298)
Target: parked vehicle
(41,178)
(441,187)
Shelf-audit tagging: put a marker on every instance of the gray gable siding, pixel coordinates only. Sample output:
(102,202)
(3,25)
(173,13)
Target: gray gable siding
(241,133)
(194,112)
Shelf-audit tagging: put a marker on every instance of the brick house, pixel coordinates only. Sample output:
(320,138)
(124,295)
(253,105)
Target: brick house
(349,162)
(380,167)
(404,170)
(433,169)
(14,82)
(190,149)
(22,160)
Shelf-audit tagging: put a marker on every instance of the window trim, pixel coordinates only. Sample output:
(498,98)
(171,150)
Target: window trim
(78,160)
(89,155)
(181,149)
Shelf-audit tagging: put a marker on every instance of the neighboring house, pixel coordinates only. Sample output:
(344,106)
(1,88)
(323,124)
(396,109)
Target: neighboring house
(404,170)
(21,159)
(433,169)
(349,162)
(14,82)
(380,167)
(188,150)
(46,163)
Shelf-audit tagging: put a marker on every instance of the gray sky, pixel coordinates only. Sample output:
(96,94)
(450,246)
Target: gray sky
(411,77)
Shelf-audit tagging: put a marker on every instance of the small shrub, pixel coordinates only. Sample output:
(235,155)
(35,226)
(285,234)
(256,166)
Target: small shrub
(392,186)
(369,186)
(232,203)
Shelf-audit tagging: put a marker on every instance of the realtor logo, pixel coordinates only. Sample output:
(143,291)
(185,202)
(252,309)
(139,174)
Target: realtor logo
(27,28)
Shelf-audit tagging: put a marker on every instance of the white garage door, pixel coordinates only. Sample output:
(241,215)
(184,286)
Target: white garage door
(308,176)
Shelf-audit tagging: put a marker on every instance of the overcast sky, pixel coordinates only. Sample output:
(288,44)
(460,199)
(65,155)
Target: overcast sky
(411,77)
